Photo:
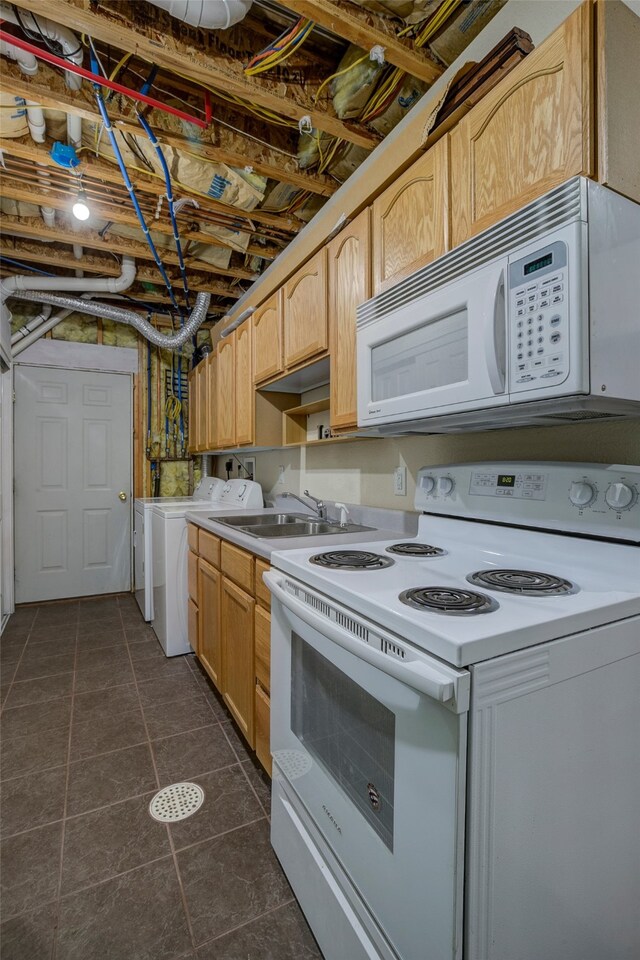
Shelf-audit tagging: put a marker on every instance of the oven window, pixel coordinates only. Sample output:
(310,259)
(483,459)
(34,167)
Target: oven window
(347,731)
(430,356)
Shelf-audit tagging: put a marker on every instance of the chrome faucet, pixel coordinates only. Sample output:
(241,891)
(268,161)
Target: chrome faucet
(319,504)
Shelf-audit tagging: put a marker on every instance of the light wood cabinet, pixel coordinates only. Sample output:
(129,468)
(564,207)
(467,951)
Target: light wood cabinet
(262,726)
(530,133)
(305,312)
(237,565)
(193,624)
(238,683)
(349,278)
(409,221)
(209,631)
(226,393)
(245,406)
(267,339)
(192,411)
(212,401)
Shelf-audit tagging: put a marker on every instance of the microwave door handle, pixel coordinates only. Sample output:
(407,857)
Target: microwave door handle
(495,336)
(416,674)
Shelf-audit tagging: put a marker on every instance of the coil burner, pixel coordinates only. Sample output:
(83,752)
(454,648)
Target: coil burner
(528,583)
(413,549)
(448,600)
(351,560)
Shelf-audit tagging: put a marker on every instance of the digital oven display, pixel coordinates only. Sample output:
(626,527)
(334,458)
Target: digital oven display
(538,264)
(506,479)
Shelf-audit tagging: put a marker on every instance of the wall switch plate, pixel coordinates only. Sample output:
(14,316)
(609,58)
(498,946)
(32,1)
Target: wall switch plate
(400,481)
(280,479)
(250,467)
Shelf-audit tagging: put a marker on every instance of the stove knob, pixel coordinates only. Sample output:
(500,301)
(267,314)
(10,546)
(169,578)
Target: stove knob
(620,495)
(581,493)
(445,486)
(428,483)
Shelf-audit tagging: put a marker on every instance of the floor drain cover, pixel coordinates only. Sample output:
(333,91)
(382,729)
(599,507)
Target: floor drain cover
(176,802)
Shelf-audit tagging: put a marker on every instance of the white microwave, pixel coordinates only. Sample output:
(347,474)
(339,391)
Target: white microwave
(536,320)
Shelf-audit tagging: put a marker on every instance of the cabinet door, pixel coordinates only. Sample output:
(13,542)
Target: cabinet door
(238,686)
(263,718)
(201,408)
(529,134)
(305,311)
(212,400)
(226,393)
(192,624)
(209,634)
(409,222)
(349,284)
(263,648)
(192,575)
(267,339)
(244,385)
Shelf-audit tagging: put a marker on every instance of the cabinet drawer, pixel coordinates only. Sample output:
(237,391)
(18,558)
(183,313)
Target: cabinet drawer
(263,714)
(261,590)
(192,536)
(237,564)
(192,575)
(192,624)
(263,647)
(209,548)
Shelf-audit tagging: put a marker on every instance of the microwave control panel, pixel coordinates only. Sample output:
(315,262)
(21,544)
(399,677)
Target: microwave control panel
(539,318)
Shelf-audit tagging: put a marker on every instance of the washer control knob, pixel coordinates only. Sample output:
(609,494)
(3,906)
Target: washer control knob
(620,495)
(444,486)
(581,493)
(428,483)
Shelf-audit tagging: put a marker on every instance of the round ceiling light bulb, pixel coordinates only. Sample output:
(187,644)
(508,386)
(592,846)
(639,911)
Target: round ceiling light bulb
(80,209)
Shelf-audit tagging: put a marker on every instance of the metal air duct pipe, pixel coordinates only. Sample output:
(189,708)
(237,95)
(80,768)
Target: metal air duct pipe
(118,315)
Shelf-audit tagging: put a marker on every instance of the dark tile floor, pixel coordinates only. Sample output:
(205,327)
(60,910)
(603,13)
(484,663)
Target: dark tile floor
(95,720)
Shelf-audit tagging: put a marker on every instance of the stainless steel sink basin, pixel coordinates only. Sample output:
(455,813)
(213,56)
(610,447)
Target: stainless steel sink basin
(261,519)
(273,526)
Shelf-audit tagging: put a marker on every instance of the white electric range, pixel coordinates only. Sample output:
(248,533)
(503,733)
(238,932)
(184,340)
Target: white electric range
(455,722)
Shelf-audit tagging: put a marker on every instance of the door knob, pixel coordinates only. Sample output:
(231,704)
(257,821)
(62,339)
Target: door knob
(122,495)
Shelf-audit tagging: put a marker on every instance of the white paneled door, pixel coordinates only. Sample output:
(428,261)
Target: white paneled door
(73,440)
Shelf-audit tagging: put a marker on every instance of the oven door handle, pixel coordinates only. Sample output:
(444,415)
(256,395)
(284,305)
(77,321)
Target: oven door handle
(428,679)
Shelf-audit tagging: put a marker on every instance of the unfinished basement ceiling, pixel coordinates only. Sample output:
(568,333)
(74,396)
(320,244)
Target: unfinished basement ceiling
(268,118)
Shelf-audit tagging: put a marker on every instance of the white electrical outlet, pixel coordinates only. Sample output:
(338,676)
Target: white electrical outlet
(281,474)
(250,467)
(400,481)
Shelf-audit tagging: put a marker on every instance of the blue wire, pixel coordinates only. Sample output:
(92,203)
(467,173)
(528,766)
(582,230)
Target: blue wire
(167,179)
(26,266)
(127,182)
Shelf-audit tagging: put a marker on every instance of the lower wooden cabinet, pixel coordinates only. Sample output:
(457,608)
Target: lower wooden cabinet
(237,612)
(209,636)
(230,631)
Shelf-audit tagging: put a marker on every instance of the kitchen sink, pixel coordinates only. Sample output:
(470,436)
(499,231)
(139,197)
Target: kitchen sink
(277,525)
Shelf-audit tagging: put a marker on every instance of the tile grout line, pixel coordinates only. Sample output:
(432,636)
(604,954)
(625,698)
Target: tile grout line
(172,849)
(54,944)
(247,923)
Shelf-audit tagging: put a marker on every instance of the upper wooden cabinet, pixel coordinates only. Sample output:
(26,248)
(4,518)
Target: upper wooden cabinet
(267,339)
(226,393)
(349,284)
(200,439)
(409,224)
(305,312)
(530,133)
(212,401)
(245,406)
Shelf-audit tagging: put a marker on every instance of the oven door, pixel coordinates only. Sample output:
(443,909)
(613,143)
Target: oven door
(439,353)
(369,734)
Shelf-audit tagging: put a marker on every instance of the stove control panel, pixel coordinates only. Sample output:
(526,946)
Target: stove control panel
(592,499)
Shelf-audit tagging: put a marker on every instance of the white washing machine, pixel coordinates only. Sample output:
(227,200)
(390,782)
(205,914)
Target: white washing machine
(169,537)
(208,491)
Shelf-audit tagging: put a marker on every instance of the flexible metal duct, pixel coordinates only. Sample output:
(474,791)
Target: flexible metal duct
(118,315)
(210,14)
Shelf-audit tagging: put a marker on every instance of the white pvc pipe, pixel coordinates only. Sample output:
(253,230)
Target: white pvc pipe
(71,46)
(74,130)
(39,332)
(210,14)
(85,284)
(32,324)
(25,60)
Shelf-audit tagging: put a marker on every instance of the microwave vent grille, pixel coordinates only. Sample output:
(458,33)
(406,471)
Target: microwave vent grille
(563,205)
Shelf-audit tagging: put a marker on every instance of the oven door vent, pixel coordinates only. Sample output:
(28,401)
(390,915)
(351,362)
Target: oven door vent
(392,650)
(348,623)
